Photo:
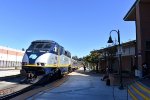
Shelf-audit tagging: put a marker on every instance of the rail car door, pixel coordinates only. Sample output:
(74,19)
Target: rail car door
(61,50)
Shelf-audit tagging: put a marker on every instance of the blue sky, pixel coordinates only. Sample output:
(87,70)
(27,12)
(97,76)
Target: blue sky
(80,26)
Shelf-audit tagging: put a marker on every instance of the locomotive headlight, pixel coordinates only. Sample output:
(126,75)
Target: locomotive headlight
(40,64)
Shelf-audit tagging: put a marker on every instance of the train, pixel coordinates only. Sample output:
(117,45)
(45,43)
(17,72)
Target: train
(46,58)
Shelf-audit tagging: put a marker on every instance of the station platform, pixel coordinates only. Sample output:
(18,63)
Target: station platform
(5,72)
(83,85)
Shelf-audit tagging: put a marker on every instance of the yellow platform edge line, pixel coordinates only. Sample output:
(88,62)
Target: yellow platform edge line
(143,88)
(141,94)
(132,95)
(49,65)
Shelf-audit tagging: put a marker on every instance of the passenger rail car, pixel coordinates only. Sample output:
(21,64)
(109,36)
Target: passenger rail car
(74,64)
(45,58)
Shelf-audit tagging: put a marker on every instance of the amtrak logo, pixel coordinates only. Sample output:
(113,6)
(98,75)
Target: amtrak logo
(33,56)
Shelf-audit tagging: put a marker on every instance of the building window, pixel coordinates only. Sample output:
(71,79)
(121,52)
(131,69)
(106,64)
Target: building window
(147,45)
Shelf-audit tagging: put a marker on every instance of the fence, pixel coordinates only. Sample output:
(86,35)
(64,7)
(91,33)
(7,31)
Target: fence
(6,64)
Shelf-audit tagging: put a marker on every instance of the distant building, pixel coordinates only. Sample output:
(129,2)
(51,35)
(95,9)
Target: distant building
(10,57)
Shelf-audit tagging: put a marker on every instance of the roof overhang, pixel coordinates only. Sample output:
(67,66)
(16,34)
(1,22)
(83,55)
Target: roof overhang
(131,15)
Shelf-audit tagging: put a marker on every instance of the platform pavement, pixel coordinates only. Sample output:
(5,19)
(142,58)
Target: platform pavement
(83,85)
(11,71)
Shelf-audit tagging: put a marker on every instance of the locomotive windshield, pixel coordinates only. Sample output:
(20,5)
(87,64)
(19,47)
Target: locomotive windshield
(40,46)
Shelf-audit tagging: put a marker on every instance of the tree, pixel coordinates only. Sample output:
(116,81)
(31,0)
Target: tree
(95,55)
(93,59)
(23,49)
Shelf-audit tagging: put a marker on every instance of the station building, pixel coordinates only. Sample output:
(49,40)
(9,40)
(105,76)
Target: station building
(10,57)
(139,13)
(134,53)
(110,56)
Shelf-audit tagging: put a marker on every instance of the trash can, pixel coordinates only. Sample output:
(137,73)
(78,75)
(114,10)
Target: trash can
(138,73)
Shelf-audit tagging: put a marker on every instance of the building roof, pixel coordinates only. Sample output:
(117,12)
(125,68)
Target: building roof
(131,14)
(129,43)
(11,49)
(122,44)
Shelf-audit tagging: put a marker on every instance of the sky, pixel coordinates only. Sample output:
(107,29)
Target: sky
(80,26)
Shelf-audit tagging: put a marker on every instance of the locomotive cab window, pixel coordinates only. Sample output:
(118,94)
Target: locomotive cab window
(47,46)
(39,46)
(31,46)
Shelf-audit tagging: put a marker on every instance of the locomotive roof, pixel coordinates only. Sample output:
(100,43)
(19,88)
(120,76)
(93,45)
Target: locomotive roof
(50,41)
(46,41)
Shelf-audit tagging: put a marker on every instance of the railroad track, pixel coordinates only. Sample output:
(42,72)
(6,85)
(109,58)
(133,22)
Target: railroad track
(10,85)
(20,91)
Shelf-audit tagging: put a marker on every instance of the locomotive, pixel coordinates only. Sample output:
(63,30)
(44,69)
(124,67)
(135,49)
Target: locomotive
(45,58)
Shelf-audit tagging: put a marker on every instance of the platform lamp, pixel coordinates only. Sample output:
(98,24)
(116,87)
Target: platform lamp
(119,49)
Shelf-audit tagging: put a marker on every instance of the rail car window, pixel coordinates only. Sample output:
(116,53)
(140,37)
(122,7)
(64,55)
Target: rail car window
(62,51)
(66,53)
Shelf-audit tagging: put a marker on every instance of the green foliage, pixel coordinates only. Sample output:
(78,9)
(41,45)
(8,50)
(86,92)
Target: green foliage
(93,57)
(111,52)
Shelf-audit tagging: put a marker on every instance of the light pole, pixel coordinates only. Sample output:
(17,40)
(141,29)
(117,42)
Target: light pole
(119,49)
